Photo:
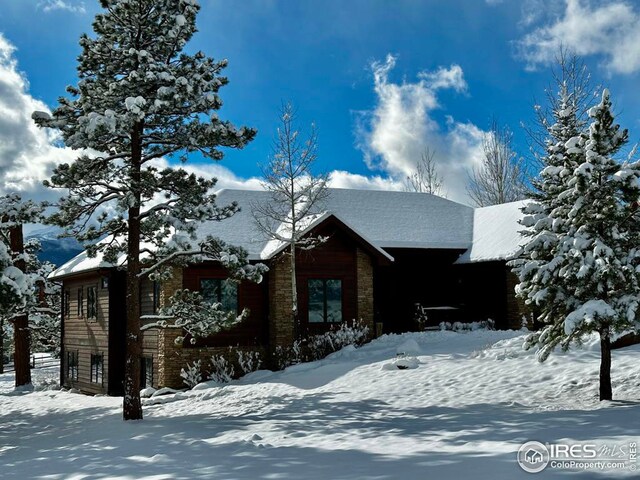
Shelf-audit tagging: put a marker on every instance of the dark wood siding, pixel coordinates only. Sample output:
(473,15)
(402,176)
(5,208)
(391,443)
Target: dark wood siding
(254,330)
(334,259)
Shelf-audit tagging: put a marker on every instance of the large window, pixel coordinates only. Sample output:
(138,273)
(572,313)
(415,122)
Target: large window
(92,303)
(72,365)
(325,300)
(220,290)
(97,368)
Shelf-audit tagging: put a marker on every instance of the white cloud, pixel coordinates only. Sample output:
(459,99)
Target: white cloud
(343,179)
(393,136)
(28,154)
(611,30)
(52,5)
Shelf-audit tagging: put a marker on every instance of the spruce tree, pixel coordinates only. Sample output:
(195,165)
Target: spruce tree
(580,267)
(140,99)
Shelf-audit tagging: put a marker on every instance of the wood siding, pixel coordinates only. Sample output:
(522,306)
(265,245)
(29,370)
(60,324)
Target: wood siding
(85,335)
(334,259)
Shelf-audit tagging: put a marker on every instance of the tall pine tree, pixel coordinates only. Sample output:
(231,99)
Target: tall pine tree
(140,99)
(580,267)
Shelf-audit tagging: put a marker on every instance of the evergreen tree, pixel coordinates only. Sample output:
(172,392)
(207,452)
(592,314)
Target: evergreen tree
(580,267)
(140,99)
(16,284)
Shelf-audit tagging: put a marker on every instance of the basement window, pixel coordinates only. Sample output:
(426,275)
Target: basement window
(220,290)
(325,300)
(146,372)
(72,365)
(97,368)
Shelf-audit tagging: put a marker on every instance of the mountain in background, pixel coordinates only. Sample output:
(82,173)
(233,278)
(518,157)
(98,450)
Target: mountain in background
(55,250)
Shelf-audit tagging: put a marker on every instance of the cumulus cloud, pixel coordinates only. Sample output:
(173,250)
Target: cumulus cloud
(28,154)
(395,133)
(52,5)
(344,179)
(610,30)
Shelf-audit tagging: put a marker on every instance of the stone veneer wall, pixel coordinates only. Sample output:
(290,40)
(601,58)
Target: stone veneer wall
(364,279)
(164,368)
(173,358)
(281,331)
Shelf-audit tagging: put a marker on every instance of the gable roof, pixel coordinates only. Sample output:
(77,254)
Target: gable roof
(386,219)
(381,219)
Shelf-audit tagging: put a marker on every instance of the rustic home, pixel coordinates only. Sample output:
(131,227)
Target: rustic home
(391,258)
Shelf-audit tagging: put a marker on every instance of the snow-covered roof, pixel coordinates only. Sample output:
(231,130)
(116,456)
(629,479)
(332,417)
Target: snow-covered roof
(496,233)
(383,219)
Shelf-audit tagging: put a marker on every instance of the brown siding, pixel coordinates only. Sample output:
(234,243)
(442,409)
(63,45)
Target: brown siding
(252,331)
(335,259)
(87,336)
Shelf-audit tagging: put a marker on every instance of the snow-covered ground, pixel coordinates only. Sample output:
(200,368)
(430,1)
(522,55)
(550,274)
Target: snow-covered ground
(473,399)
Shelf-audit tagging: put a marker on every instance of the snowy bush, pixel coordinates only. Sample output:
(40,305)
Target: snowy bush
(322,345)
(288,355)
(222,370)
(192,375)
(487,324)
(249,361)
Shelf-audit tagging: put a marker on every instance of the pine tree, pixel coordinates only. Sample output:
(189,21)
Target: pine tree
(140,99)
(16,285)
(580,267)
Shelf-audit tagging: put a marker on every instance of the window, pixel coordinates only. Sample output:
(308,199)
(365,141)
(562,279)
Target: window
(97,364)
(92,303)
(72,366)
(146,372)
(80,302)
(325,300)
(220,290)
(67,303)
(156,297)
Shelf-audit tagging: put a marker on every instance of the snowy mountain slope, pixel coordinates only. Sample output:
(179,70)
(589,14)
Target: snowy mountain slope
(55,250)
(473,400)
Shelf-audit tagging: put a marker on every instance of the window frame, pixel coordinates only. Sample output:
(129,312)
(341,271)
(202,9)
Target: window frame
(220,290)
(156,297)
(97,368)
(80,306)
(67,303)
(93,307)
(325,315)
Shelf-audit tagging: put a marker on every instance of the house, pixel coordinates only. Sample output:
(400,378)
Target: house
(387,255)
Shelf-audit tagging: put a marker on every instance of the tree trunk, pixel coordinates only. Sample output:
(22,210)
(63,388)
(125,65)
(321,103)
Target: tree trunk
(132,406)
(605,365)
(20,322)
(294,294)
(1,345)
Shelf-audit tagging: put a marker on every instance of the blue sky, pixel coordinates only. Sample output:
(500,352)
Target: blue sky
(381,79)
